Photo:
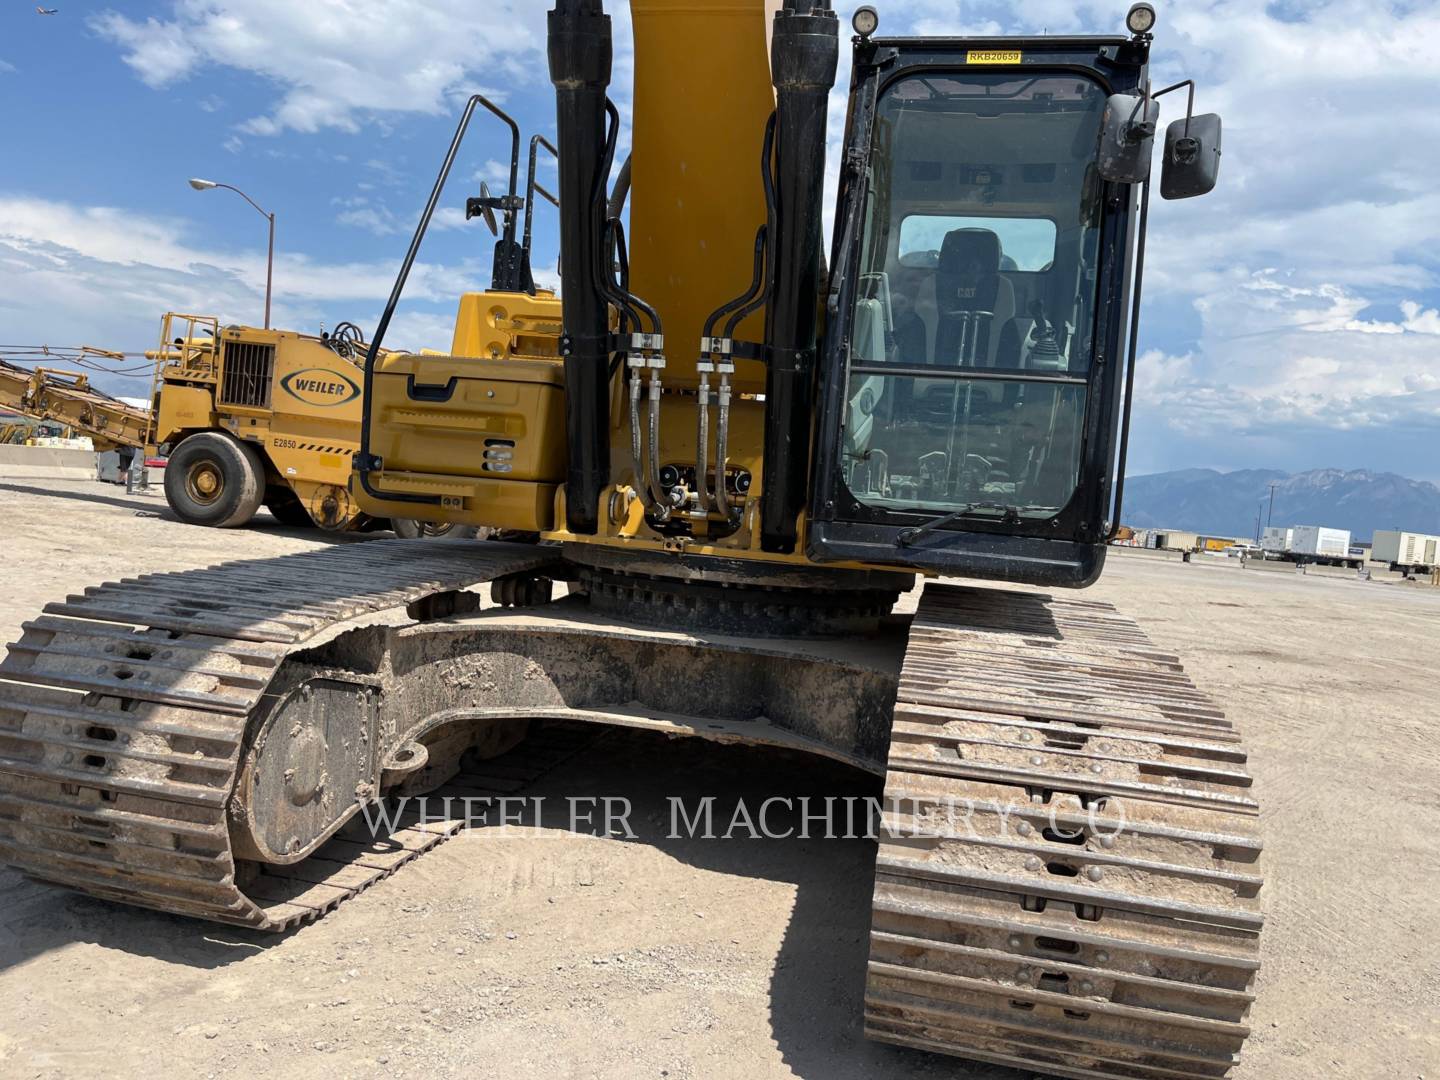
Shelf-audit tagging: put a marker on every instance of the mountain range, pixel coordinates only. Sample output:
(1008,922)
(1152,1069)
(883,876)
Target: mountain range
(1225,504)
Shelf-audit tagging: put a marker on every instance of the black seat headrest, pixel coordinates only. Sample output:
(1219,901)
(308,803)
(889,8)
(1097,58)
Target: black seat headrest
(968,276)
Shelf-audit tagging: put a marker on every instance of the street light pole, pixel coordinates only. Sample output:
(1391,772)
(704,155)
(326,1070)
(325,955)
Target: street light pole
(207,185)
(269,269)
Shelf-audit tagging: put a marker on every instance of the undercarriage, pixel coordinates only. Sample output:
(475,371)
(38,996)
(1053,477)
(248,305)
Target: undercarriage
(1066,873)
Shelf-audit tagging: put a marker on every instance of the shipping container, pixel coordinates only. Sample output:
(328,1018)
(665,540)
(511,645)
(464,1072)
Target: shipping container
(1178,541)
(1406,550)
(1276,539)
(1316,541)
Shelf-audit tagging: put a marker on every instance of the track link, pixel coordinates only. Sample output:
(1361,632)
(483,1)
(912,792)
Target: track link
(124,715)
(1067,876)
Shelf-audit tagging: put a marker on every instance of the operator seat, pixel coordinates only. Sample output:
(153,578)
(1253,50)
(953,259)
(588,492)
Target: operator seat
(973,300)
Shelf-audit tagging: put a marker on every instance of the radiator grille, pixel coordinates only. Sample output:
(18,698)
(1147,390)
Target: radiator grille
(249,369)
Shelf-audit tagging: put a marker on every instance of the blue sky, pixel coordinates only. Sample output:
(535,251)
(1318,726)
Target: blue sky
(1291,317)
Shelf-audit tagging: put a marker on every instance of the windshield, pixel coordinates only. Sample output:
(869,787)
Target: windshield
(974,323)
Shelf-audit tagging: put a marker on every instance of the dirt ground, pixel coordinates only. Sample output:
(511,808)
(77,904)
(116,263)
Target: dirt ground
(540,955)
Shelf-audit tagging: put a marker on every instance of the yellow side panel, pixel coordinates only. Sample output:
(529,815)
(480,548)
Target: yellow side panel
(314,416)
(493,324)
(702,96)
(183,408)
(316,391)
(499,504)
(487,436)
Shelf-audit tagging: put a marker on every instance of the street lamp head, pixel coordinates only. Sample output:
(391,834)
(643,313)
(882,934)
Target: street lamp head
(206,185)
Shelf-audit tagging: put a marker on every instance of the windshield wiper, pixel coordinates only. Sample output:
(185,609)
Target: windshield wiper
(1009,515)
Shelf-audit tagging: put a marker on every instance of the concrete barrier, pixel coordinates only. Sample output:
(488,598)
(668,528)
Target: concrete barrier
(46,463)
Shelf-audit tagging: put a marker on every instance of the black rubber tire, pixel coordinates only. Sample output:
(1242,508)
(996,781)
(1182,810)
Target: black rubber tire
(289,510)
(412,529)
(215,480)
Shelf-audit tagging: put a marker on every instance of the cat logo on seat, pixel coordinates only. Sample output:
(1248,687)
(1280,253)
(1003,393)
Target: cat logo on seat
(320,387)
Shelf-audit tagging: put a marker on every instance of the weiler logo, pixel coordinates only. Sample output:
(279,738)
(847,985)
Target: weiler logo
(317,386)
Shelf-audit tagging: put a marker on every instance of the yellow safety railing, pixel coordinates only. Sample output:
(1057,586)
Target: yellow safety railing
(193,350)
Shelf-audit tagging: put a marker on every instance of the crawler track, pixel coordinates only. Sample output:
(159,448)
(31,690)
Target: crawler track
(1066,880)
(1067,876)
(124,714)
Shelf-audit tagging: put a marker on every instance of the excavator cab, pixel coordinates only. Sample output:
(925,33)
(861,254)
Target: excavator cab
(982,306)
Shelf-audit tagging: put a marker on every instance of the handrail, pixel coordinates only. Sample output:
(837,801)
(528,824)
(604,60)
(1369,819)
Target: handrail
(1119,501)
(913,371)
(532,186)
(365,463)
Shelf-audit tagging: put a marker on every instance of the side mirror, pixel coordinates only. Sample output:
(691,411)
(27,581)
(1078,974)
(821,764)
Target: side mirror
(1127,138)
(484,208)
(1192,161)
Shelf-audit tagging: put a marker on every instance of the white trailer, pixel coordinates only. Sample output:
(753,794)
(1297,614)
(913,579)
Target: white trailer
(1310,544)
(1177,540)
(1407,552)
(1275,542)
(1318,542)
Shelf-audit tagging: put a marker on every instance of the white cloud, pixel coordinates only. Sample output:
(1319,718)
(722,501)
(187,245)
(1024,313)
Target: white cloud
(6,67)
(105,277)
(159,52)
(1414,320)
(377,221)
(360,212)
(496,174)
(340,63)
(376,217)
(1317,367)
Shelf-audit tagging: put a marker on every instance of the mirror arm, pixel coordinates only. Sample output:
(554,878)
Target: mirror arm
(1189,105)
(1136,132)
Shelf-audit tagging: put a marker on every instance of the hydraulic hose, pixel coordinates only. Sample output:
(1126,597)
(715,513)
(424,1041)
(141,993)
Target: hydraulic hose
(703,501)
(722,438)
(755,296)
(754,292)
(637,451)
(665,502)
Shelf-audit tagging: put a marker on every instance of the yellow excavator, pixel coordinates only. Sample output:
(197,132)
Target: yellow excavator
(738,453)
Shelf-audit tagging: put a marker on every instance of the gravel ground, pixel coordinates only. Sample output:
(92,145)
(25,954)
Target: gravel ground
(536,955)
